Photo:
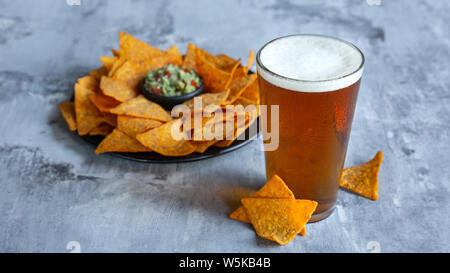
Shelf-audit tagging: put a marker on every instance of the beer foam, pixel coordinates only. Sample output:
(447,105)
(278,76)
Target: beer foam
(310,63)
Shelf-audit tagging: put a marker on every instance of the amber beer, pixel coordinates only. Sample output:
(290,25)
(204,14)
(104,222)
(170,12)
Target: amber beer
(315,81)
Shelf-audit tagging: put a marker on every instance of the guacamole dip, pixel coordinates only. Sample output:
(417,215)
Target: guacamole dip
(172,81)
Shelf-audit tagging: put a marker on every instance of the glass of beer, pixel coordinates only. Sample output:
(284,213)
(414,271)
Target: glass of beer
(314,80)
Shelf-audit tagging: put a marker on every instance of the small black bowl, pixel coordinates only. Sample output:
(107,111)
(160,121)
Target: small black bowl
(169,102)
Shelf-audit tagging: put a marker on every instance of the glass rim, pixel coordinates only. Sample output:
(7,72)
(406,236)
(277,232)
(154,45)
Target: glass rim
(262,66)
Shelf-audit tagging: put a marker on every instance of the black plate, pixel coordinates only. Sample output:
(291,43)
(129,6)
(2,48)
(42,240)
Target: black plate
(212,151)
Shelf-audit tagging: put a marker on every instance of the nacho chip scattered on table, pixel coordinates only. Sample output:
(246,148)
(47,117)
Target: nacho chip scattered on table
(120,142)
(133,126)
(68,112)
(162,141)
(279,220)
(140,107)
(363,179)
(274,188)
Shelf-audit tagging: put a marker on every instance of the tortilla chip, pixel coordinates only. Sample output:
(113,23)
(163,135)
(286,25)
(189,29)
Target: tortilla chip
(120,142)
(128,74)
(214,79)
(251,57)
(213,130)
(208,99)
(89,82)
(116,89)
(108,61)
(252,92)
(225,63)
(207,118)
(242,71)
(111,119)
(99,73)
(202,146)
(363,179)
(115,52)
(279,220)
(102,102)
(303,231)
(239,86)
(196,119)
(103,130)
(140,107)
(132,74)
(134,126)
(225,59)
(189,59)
(240,215)
(246,102)
(239,129)
(173,56)
(161,141)
(68,111)
(87,115)
(117,64)
(274,188)
(135,50)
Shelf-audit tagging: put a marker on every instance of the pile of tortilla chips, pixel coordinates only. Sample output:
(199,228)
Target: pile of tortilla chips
(107,101)
(275,213)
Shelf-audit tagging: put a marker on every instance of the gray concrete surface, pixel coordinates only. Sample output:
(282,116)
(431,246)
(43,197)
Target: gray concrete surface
(53,190)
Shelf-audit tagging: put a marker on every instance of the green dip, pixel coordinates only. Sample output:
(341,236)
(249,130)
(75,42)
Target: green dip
(172,81)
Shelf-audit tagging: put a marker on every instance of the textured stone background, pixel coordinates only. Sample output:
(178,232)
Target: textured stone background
(54,190)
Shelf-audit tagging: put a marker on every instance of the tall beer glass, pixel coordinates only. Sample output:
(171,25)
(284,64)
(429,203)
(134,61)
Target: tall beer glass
(315,81)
